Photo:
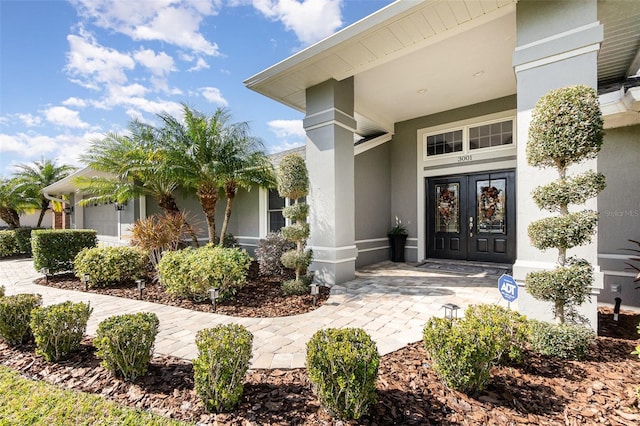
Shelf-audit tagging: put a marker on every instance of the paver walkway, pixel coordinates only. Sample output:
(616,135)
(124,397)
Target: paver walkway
(391,301)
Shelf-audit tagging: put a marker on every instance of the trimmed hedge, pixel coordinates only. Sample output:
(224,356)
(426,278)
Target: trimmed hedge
(561,340)
(125,343)
(8,243)
(23,239)
(15,315)
(343,367)
(223,359)
(110,265)
(190,273)
(57,248)
(58,329)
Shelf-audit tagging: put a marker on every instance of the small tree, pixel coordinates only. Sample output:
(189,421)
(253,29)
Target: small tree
(293,183)
(566,128)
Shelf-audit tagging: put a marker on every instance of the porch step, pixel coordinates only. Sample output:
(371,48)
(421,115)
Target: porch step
(466,267)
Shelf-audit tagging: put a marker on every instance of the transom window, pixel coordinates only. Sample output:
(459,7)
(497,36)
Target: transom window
(275,218)
(470,138)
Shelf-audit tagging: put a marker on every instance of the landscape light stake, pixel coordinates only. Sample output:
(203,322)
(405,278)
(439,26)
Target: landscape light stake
(449,310)
(45,271)
(140,284)
(315,289)
(214,293)
(85,280)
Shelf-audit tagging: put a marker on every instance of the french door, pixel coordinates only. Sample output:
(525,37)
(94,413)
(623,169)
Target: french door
(472,217)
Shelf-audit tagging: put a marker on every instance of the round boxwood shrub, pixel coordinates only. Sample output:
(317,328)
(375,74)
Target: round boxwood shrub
(223,359)
(58,329)
(343,368)
(567,341)
(125,343)
(15,315)
(190,273)
(110,265)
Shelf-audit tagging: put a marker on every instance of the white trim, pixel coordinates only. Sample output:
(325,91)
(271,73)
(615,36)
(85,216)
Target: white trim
(614,256)
(143,207)
(372,240)
(558,36)
(330,123)
(335,249)
(373,143)
(558,57)
(373,249)
(411,247)
(329,110)
(619,273)
(334,262)
(263,201)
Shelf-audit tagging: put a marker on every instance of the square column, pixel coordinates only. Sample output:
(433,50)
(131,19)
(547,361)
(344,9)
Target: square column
(330,127)
(558,43)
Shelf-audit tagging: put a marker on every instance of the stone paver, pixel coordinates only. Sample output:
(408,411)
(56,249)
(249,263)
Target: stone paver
(390,301)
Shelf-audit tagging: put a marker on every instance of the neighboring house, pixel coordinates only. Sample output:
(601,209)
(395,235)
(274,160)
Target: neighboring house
(443,91)
(438,97)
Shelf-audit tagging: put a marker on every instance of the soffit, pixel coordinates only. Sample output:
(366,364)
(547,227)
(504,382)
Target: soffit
(619,55)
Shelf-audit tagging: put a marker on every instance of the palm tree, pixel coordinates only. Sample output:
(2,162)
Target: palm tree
(243,164)
(32,178)
(193,147)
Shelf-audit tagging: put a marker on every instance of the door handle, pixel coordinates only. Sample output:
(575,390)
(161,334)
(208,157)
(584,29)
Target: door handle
(471,226)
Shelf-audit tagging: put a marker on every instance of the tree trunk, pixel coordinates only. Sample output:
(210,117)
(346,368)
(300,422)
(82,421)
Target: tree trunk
(44,206)
(230,191)
(10,216)
(208,196)
(167,203)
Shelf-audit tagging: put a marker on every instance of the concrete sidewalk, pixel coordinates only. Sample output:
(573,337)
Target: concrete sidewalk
(390,301)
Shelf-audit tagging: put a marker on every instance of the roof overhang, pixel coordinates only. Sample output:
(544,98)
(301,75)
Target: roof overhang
(621,108)
(67,185)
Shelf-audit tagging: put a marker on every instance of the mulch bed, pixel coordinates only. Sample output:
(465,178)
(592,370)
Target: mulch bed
(260,297)
(541,391)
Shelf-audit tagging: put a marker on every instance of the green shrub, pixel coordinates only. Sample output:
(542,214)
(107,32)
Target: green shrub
(57,248)
(1,291)
(510,330)
(125,343)
(637,352)
(58,329)
(23,239)
(560,340)
(15,315)
(190,273)
(343,367)
(269,252)
(462,353)
(223,359)
(296,287)
(8,244)
(228,242)
(110,265)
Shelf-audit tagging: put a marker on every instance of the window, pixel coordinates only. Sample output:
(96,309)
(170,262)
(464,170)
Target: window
(275,218)
(444,143)
(489,135)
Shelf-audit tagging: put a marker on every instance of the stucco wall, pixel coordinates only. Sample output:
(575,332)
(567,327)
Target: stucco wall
(404,159)
(619,208)
(372,204)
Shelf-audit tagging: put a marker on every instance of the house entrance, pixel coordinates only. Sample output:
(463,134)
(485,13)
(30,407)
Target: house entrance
(472,217)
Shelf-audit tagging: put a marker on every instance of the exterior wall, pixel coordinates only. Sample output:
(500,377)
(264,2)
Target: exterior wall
(406,187)
(372,204)
(245,219)
(619,208)
(558,43)
(31,220)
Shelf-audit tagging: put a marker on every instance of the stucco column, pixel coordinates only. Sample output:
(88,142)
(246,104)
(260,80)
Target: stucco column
(558,43)
(330,126)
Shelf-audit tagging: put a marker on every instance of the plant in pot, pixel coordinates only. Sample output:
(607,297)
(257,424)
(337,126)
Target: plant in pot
(397,240)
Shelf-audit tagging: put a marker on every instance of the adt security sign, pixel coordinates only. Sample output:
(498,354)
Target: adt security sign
(508,288)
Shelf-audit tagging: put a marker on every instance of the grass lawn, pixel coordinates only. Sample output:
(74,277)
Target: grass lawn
(28,402)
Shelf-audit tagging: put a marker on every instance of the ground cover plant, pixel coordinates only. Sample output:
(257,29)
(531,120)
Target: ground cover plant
(541,391)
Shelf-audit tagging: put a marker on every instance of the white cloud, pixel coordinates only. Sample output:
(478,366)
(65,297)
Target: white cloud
(290,133)
(30,120)
(200,64)
(63,116)
(92,64)
(159,64)
(75,102)
(171,21)
(213,95)
(302,17)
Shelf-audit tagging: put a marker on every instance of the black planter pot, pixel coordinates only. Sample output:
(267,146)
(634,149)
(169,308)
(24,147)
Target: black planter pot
(397,243)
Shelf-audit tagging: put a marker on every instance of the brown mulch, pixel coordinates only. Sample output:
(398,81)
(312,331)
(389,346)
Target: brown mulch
(541,391)
(260,297)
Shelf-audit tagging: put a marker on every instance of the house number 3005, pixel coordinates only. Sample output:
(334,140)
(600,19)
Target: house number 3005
(463,158)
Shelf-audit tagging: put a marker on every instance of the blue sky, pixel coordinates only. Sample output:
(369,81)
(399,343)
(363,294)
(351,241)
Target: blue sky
(71,71)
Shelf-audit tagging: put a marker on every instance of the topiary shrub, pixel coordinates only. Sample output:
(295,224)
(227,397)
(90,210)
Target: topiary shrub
(125,343)
(58,329)
(509,329)
(223,359)
(15,316)
(296,287)
(560,340)
(56,249)
(110,265)
(293,183)
(269,253)
(8,244)
(462,352)
(565,129)
(343,367)
(23,239)
(190,273)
